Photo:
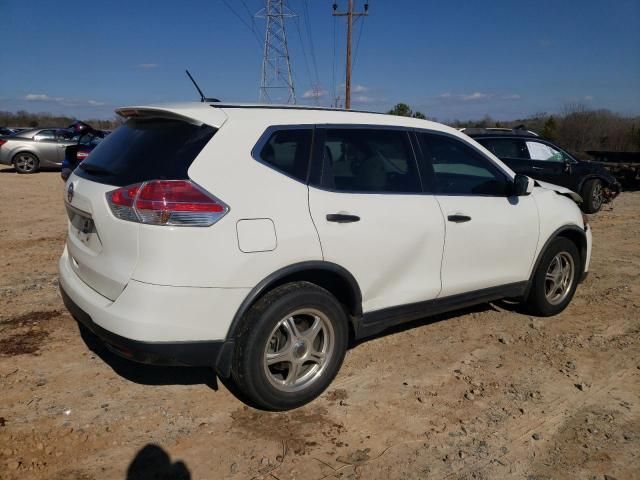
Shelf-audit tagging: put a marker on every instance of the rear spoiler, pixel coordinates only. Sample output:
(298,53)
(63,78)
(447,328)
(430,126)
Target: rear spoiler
(195,114)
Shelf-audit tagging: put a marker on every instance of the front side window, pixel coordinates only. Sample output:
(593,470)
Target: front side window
(45,135)
(369,160)
(506,147)
(289,151)
(544,152)
(460,170)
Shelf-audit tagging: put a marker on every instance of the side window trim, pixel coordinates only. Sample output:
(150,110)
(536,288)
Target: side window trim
(266,136)
(316,170)
(425,168)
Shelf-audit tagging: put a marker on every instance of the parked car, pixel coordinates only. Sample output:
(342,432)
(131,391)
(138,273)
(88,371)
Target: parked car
(261,240)
(88,139)
(6,131)
(526,153)
(30,150)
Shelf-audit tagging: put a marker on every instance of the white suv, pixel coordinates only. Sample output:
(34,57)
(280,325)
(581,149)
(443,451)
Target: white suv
(262,240)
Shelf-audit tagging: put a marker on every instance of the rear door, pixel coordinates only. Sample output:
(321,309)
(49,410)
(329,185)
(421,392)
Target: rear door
(103,249)
(372,216)
(491,236)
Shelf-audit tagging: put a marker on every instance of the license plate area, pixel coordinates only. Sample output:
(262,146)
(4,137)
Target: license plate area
(82,227)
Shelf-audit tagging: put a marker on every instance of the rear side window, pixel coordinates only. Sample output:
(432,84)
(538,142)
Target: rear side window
(146,149)
(506,147)
(369,160)
(288,151)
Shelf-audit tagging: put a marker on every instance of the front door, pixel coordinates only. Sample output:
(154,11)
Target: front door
(547,163)
(491,237)
(49,150)
(372,217)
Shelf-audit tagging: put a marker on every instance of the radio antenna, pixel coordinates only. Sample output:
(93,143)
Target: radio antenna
(202,97)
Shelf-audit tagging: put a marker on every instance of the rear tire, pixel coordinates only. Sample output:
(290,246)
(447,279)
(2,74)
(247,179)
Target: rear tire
(555,280)
(593,196)
(26,162)
(289,347)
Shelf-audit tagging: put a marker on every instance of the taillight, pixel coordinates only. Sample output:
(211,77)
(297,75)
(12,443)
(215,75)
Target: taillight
(2,142)
(166,202)
(81,155)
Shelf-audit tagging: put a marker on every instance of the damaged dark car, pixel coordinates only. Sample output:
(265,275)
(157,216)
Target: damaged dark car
(526,153)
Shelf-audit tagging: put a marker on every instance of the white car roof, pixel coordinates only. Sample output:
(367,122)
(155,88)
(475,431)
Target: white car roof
(216,114)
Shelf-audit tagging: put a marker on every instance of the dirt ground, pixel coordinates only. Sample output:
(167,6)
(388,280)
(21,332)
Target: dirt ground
(481,394)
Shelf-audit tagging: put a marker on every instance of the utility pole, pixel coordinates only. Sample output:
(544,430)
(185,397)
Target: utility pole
(276,66)
(349,14)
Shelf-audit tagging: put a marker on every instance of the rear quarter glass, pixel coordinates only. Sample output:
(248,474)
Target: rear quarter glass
(146,149)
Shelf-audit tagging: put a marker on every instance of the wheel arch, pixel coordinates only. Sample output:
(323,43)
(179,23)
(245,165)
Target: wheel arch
(591,176)
(571,232)
(332,277)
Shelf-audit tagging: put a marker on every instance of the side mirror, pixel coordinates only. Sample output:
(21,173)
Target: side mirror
(522,185)
(567,165)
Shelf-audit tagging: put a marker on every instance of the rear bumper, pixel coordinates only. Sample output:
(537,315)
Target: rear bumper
(155,323)
(205,353)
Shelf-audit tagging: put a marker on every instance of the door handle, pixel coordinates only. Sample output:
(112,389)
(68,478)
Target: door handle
(537,168)
(458,218)
(342,218)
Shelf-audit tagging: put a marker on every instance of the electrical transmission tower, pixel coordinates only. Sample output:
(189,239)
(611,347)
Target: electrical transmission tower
(276,83)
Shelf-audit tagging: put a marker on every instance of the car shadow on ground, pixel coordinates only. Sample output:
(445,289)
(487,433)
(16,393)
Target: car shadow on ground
(144,374)
(149,374)
(153,463)
(8,169)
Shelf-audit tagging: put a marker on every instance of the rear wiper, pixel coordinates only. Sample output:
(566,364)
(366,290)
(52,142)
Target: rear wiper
(87,167)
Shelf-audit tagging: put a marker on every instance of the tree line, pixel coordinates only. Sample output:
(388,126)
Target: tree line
(576,128)
(24,119)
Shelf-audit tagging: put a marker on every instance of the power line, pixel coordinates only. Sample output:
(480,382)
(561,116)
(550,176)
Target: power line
(253,20)
(355,57)
(304,52)
(333,66)
(310,35)
(244,22)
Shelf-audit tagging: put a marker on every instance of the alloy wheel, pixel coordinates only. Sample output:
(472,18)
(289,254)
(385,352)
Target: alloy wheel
(298,350)
(25,162)
(559,278)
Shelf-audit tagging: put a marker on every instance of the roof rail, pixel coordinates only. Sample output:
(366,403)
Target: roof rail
(517,130)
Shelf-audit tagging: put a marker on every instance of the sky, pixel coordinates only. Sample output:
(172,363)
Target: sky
(454,59)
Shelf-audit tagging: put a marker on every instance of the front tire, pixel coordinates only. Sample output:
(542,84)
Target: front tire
(555,280)
(593,196)
(289,347)
(26,162)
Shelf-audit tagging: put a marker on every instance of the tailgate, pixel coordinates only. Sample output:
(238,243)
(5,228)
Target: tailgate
(102,249)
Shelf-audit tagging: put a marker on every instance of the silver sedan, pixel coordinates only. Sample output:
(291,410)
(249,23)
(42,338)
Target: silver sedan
(30,150)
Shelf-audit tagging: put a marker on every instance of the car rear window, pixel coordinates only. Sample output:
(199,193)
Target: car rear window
(146,149)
